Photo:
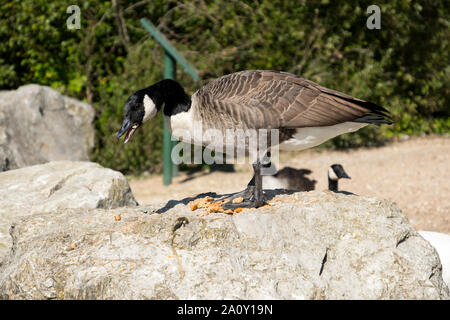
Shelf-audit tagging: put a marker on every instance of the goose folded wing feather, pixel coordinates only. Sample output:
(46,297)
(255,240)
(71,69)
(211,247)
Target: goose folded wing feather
(270,99)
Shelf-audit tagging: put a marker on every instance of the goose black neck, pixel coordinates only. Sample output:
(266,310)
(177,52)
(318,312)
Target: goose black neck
(332,184)
(170,93)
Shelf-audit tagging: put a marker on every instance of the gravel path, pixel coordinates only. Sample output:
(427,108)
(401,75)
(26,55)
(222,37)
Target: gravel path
(414,173)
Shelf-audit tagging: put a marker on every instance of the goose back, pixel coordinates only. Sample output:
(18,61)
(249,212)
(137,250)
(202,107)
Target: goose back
(260,99)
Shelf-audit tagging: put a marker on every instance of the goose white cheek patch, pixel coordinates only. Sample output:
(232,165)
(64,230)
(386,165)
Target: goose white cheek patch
(149,108)
(331,174)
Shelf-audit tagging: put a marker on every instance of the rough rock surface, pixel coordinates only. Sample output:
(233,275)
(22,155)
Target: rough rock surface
(314,245)
(38,124)
(57,185)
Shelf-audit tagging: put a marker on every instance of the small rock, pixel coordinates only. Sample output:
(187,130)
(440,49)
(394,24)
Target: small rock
(38,124)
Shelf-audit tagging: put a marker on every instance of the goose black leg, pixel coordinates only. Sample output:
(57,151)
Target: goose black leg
(254,196)
(258,196)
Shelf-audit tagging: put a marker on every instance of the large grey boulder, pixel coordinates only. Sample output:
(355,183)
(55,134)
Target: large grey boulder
(55,186)
(38,124)
(314,245)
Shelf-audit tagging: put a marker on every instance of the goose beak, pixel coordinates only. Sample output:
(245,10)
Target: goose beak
(345,175)
(128,128)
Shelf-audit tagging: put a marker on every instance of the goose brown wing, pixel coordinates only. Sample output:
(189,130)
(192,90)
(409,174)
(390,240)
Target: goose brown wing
(272,99)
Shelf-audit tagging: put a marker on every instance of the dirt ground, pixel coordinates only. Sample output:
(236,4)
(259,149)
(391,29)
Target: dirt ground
(414,173)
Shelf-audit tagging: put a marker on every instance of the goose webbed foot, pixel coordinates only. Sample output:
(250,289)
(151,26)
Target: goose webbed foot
(245,194)
(248,199)
(249,203)
(252,196)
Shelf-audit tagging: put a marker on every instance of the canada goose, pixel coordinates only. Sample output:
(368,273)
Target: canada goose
(290,179)
(305,113)
(336,172)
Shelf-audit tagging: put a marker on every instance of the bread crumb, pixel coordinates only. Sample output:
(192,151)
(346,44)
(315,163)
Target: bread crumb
(212,207)
(238,200)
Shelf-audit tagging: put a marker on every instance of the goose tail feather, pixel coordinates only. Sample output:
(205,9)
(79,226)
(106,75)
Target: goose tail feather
(373,119)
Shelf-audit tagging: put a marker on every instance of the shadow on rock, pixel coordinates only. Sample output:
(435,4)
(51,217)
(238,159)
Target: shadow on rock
(269,194)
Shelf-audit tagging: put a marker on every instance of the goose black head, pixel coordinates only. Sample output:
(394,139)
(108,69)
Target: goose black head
(140,107)
(144,104)
(336,172)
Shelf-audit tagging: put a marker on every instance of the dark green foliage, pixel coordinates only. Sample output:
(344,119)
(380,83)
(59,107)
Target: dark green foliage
(403,67)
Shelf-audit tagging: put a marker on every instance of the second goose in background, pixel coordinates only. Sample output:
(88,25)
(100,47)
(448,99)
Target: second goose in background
(290,179)
(336,172)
